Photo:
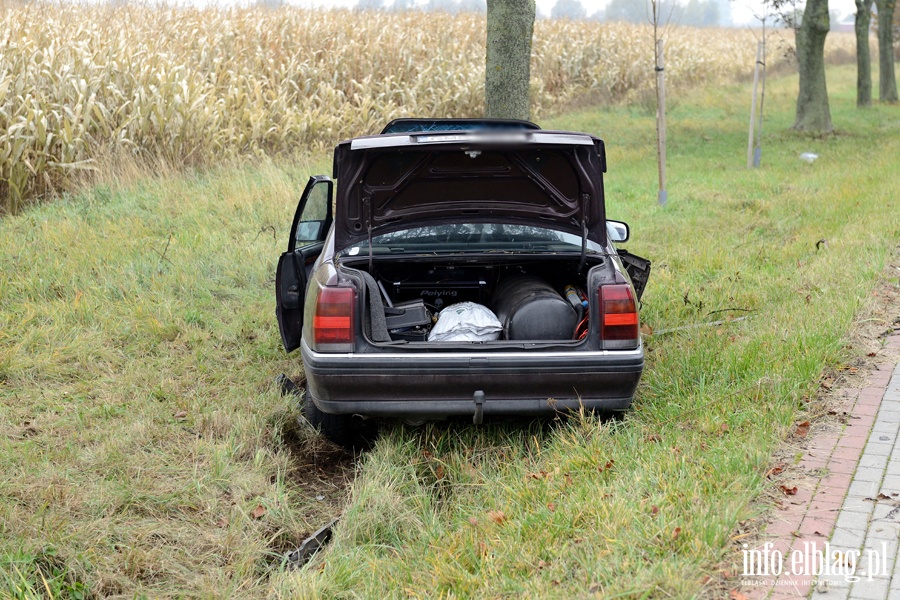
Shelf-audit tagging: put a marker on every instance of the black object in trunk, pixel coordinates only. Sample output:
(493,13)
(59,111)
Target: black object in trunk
(530,309)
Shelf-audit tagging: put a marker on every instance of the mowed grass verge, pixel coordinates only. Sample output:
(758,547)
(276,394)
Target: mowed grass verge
(647,506)
(139,428)
(140,432)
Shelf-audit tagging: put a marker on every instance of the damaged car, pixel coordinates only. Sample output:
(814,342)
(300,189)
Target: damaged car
(460,267)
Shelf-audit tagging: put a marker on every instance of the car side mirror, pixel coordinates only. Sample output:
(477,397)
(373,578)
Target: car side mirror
(617,231)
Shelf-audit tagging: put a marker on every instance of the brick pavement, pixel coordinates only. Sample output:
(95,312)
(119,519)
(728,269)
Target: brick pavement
(838,539)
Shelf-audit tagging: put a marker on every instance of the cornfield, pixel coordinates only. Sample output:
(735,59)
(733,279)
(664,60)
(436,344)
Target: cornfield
(184,86)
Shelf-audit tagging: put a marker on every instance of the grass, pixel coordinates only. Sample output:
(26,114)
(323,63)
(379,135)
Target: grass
(140,428)
(648,507)
(141,432)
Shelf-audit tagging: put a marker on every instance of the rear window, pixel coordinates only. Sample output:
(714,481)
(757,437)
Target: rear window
(473,238)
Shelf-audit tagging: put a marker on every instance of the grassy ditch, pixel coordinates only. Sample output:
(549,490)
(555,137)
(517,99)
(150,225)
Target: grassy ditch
(144,447)
(645,507)
(145,450)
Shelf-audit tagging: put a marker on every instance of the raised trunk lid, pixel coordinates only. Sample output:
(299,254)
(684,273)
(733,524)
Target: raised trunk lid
(393,182)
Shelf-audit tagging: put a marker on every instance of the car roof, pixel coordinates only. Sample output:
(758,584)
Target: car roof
(424,125)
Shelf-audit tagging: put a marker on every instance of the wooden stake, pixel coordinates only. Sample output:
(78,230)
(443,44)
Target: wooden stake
(757,149)
(661,121)
(759,51)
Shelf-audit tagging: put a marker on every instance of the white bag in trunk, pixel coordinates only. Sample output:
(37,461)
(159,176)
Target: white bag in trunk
(466,322)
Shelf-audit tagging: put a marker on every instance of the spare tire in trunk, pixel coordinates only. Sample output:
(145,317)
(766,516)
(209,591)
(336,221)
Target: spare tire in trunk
(530,309)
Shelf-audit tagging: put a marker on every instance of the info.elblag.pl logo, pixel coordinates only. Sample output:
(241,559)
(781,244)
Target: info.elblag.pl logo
(815,563)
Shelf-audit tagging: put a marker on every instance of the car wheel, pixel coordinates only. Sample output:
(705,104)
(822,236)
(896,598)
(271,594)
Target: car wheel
(344,430)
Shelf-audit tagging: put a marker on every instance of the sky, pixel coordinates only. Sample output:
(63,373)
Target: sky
(743,11)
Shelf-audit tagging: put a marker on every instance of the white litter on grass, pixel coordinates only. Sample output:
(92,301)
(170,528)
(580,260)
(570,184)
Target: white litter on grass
(809,157)
(466,322)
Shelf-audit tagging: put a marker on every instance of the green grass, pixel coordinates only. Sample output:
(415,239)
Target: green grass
(688,462)
(38,576)
(140,427)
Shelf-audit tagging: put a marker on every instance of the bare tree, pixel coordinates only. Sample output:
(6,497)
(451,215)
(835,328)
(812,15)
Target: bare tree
(370,5)
(568,9)
(510,27)
(660,17)
(863,59)
(813,113)
(887,85)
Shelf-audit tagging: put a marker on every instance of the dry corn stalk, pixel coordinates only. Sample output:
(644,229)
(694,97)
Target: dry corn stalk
(190,86)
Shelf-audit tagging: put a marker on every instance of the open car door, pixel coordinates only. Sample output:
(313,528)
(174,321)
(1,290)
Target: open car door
(312,220)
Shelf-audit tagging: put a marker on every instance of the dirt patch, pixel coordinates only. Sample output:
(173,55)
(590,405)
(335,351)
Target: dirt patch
(320,467)
(320,470)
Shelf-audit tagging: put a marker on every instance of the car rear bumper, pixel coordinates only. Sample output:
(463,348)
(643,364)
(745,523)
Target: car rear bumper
(413,384)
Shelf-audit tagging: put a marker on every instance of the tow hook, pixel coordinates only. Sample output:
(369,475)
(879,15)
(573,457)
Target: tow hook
(478,417)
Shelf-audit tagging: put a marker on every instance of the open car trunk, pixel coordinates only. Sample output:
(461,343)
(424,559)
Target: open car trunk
(535,299)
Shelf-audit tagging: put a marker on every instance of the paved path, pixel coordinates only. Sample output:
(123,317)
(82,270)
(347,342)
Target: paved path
(838,539)
(868,521)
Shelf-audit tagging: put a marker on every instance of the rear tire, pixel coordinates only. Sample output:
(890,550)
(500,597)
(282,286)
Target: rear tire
(344,430)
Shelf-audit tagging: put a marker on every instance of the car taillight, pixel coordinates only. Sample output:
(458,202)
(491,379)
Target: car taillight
(618,316)
(333,319)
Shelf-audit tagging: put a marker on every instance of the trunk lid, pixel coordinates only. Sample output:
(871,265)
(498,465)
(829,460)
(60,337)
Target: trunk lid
(397,181)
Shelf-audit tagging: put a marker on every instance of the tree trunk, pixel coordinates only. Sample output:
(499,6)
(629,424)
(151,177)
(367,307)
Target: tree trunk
(510,26)
(813,114)
(887,85)
(863,59)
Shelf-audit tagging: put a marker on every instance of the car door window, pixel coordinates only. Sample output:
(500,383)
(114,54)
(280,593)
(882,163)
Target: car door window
(314,216)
